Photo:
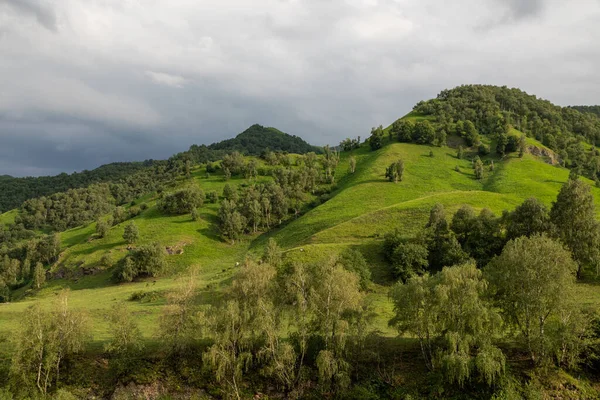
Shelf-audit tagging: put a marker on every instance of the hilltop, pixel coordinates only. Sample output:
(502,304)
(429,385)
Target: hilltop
(253,141)
(335,203)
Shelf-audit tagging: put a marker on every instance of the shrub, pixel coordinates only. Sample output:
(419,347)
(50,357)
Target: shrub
(182,201)
(484,149)
(148,260)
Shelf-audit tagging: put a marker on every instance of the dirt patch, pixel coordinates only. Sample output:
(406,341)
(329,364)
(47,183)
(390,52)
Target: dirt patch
(177,248)
(547,155)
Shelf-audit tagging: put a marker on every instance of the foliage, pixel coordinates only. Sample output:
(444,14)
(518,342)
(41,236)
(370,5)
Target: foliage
(182,201)
(46,340)
(376,138)
(354,261)
(574,217)
(493,109)
(532,281)
(454,324)
(131,233)
(147,260)
(395,171)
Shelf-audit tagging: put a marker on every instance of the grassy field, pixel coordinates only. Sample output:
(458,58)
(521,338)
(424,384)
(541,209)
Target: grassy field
(362,208)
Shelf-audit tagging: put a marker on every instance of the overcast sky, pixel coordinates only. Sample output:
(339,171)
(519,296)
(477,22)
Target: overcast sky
(87,82)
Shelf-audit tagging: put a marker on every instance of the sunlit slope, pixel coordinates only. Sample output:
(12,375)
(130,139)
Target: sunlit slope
(367,206)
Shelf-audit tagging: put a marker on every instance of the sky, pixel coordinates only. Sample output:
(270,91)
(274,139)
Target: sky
(88,82)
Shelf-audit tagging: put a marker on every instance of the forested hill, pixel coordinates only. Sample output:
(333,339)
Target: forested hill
(14,191)
(587,109)
(253,141)
(494,110)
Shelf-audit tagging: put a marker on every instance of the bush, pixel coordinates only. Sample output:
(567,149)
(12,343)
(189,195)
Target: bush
(106,260)
(182,202)
(213,197)
(146,261)
(145,297)
(484,149)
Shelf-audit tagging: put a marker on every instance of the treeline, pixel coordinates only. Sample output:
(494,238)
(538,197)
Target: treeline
(481,237)
(493,110)
(587,109)
(14,191)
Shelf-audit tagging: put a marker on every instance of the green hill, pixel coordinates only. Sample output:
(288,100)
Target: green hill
(353,211)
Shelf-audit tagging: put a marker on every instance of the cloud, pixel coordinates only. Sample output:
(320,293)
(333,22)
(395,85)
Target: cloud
(519,9)
(88,82)
(39,9)
(166,79)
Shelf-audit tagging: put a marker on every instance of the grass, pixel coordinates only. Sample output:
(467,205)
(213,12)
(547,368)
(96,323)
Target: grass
(362,208)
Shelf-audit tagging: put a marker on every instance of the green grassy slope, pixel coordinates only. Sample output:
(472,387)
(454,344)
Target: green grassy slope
(362,209)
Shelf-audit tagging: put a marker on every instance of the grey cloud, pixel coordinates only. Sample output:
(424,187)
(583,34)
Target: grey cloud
(39,9)
(522,9)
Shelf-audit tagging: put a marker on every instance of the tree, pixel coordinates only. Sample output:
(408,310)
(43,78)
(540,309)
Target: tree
(272,254)
(335,293)
(131,233)
(470,134)
(395,171)
(195,214)
(522,145)
(424,132)
(178,323)
(352,165)
(126,342)
(232,223)
(528,219)
(532,280)
(102,227)
(409,258)
(478,167)
(375,140)
(404,130)
(182,201)
(452,321)
(148,260)
(119,215)
(39,276)
(501,144)
(354,261)
(230,193)
(442,246)
(440,137)
(574,217)
(459,152)
(46,340)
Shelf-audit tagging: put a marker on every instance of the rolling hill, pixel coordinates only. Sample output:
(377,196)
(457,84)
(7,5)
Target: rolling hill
(360,209)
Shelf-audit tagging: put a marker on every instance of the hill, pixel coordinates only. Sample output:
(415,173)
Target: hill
(253,141)
(14,191)
(343,210)
(257,138)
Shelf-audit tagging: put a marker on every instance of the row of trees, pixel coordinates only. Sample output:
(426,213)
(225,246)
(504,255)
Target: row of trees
(571,220)
(461,314)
